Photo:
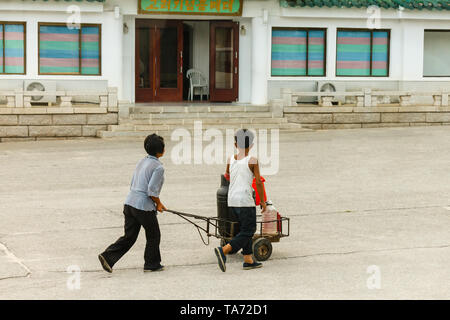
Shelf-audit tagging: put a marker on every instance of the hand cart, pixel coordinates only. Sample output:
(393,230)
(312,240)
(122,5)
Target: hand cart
(225,230)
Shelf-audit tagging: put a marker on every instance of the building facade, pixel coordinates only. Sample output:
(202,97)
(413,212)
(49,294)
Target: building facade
(246,50)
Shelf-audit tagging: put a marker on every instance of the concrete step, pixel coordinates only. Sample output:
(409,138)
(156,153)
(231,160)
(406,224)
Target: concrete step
(196,109)
(181,122)
(171,127)
(291,127)
(201,115)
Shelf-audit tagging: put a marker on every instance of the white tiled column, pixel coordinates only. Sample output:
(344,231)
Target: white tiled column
(259,61)
(112,51)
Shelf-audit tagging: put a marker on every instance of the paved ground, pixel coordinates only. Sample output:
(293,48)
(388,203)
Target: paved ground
(363,203)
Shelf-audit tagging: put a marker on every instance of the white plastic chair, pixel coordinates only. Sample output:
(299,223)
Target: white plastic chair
(197,80)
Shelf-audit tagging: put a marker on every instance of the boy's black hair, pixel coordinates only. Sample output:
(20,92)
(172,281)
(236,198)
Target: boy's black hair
(154,144)
(244,138)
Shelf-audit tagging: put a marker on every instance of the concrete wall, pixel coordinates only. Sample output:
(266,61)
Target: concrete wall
(367,117)
(44,123)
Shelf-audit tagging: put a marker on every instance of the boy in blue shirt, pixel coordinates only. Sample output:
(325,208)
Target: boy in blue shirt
(141,208)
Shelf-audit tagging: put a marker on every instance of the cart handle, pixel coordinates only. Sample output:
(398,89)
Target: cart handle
(185,215)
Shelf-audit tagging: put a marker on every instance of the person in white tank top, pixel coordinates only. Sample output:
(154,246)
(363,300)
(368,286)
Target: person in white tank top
(242,168)
(240,191)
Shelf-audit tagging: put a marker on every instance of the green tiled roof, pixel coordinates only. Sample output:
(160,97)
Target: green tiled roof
(387,4)
(76,0)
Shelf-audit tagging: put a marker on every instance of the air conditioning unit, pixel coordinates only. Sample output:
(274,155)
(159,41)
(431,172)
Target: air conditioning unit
(40,85)
(332,86)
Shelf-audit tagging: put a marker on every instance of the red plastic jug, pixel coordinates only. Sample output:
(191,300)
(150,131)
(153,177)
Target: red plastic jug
(257,199)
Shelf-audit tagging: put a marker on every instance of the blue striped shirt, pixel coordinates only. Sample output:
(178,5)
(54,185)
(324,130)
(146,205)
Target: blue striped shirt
(148,179)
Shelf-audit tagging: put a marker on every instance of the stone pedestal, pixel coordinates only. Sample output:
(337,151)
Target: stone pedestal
(326,101)
(277,108)
(19,98)
(103,101)
(112,97)
(27,101)
(444,99)
(437,100)
(66,101)
(374,101)
(286,95)
(360,101)
(386,99)
(405,100)
(10,101)
(367,97)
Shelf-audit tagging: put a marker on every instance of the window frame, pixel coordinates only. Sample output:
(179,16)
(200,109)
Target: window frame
(371,51)
(432,30)
(24,24)
(307,51)
(80,49)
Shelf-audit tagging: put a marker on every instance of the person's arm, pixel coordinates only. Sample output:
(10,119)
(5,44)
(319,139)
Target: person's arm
(154,188)
(227,170)
(254,167)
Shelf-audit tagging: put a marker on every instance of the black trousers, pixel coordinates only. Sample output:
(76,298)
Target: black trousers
(134,219)
(247,226)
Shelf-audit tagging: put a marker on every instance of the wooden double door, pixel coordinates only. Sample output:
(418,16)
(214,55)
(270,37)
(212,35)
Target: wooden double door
(159,63)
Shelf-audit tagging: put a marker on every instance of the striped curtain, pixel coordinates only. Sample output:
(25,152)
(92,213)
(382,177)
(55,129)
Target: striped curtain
(355,53)
(59,50)
(380,53)
(14,42)
(1,48)
(295,50)
(90,50)
(288,53)
(316,53)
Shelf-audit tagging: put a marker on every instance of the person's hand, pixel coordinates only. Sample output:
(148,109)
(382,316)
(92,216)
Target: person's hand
(263,206)
(160,207)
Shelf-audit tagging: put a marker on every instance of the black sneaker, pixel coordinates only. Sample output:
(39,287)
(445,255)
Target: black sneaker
(254,265)
(160,268)
(104,263)
(221,259)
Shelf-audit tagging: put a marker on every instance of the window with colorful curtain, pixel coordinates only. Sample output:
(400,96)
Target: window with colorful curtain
(363,53)
(298,52)
(12,48)
(64,50)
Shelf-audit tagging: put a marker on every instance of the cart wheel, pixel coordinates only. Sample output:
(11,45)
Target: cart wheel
(262,249)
